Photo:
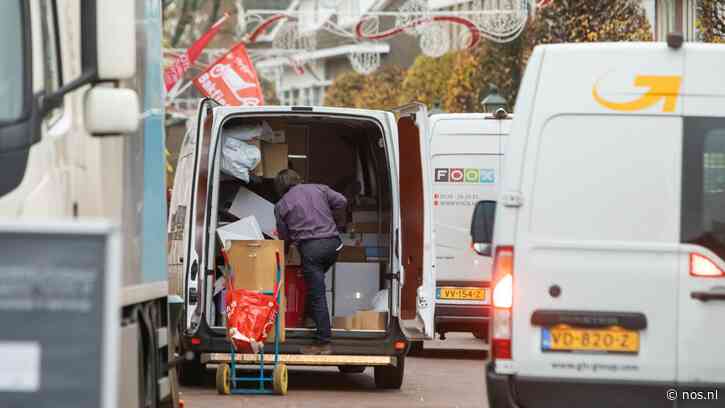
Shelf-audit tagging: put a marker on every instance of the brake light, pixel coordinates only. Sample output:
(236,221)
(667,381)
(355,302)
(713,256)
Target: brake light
(503,268)
(195,341)
(503,291)
(702,266)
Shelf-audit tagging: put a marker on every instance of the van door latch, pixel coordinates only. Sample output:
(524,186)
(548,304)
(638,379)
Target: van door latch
(512,199)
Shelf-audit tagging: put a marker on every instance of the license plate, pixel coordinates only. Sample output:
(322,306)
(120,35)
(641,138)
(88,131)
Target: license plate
(454,293)
(609,340)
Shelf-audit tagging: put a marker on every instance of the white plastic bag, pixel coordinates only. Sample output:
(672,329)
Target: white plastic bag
(249,132)
(239,157)
(379,302)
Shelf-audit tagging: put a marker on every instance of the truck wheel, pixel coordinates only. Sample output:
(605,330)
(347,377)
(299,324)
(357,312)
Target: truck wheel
(191,372)
(223,379)
(416,348)
(347,369)
(389,377)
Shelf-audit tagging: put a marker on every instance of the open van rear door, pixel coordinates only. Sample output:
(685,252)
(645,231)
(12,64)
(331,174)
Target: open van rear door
(196,199)
(417,281)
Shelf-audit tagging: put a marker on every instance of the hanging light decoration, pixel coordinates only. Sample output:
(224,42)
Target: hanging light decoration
(412,10)
(364,62)
(435,40)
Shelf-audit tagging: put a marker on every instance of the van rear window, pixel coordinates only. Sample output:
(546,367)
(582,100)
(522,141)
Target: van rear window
(703,184)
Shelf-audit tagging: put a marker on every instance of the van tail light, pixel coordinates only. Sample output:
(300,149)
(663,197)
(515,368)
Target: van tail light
(702,266)
(503,291)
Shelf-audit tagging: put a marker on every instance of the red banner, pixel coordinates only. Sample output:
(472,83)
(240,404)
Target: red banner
(231,80)
(176,71)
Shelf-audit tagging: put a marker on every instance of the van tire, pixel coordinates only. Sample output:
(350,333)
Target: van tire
(416,348)
(390,377)
(191,372)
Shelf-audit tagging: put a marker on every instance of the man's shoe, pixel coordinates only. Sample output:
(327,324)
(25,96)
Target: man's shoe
(317,349)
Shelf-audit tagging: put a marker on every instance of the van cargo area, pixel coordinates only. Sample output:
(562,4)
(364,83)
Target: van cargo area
(346,153)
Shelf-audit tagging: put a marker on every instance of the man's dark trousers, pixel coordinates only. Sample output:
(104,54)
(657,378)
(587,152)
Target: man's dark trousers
(318,255)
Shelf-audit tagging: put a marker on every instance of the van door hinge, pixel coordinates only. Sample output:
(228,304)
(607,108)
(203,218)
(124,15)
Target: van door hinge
(512,199)
(392,276)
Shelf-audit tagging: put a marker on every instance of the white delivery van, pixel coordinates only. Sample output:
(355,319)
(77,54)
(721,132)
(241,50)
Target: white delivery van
(466,159)
(375,158)
(609,265)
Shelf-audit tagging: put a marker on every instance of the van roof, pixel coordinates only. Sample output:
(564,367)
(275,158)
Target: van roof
(635,78)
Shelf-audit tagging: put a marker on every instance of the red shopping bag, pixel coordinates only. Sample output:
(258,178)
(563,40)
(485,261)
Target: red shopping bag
(250,316)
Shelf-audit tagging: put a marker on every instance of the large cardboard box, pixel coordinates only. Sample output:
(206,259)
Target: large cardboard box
(369,320)
(351,254)
(253,265)
(343,322)
(274,158)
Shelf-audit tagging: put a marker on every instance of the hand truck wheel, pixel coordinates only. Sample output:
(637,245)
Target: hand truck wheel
(223,379)
(280,379)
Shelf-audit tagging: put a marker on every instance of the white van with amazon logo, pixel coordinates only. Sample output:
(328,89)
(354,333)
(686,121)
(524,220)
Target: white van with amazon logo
(466,159)
(609,257)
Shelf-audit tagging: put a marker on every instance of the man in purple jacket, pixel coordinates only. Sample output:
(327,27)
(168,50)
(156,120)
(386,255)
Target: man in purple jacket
(305,217)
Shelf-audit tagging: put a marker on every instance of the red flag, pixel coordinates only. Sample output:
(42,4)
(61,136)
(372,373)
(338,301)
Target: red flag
(231,80)
(176,71)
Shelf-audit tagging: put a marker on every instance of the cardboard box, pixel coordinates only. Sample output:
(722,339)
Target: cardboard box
(365,216)
(367,227)
(253,265)
(351,254)
(293,256)
(366,240)
(343,322)
(247,203)
(274,158)
(355,286)
(369,320)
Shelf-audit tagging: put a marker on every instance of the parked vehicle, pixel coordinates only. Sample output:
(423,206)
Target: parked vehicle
(379,162)
(609,260)
(466,159)
(74,146)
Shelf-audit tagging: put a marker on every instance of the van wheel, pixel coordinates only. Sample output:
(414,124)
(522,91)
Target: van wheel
(389,377)
(348,369)
(416,348)
(191,372)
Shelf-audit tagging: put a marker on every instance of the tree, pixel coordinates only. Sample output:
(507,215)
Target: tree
(711,20)
(381,89)
(589,21)
(426,80)
(490,63)
(343,90)
(560,21)
(269,91)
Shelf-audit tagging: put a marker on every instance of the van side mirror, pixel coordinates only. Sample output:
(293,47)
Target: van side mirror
(482,227)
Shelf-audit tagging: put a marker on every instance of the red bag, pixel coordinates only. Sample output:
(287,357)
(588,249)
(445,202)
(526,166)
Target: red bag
(250,316)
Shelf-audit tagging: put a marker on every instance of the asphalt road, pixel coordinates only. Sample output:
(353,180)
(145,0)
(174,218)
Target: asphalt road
(449,374)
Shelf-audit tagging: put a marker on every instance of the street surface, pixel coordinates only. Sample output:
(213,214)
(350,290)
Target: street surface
(449,374)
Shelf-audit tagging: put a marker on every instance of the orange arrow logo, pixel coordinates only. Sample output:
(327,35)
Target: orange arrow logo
(660,87)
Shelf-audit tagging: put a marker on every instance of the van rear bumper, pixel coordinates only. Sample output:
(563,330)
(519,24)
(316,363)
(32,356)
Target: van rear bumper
(508,391)
(209,340)
(462,318)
